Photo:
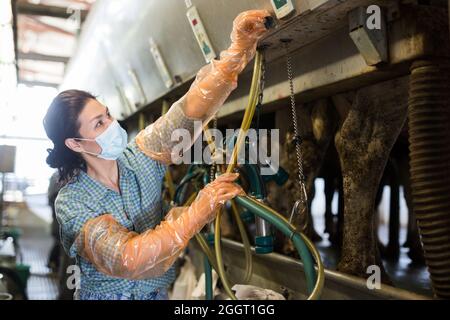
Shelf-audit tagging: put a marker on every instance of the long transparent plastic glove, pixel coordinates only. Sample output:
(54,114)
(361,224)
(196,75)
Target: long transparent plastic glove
(211,87)
(117,252)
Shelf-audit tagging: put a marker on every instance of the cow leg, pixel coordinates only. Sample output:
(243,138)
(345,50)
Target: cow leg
(364,141)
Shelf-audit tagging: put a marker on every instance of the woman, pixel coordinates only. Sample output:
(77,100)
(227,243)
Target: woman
(109,209)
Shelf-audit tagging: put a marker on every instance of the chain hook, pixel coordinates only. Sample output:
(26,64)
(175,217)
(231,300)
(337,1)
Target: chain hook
(301,206)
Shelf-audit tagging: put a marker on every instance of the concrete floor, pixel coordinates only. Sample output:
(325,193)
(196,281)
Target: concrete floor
(35,244)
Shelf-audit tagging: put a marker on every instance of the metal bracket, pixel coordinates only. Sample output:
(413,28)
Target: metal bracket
(368,30)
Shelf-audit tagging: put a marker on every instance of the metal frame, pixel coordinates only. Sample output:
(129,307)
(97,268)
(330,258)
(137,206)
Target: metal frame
(290,276)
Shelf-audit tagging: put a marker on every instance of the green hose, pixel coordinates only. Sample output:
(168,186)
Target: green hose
(208,279)
(299,239)
(192,173)
(288,231)
(306,258)
(208,274)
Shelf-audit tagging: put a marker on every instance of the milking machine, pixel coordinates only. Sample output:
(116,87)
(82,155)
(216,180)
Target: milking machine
(253,204)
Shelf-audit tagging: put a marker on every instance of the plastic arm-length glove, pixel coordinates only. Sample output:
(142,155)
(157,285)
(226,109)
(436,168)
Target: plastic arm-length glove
(117,252)
(211,87)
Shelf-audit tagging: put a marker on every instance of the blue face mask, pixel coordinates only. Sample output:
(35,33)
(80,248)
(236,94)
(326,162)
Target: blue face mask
(113,142)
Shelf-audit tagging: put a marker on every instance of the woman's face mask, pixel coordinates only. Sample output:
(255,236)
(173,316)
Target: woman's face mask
(113,142)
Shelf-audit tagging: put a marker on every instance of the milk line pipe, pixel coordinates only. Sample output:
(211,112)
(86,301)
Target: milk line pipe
(249,111)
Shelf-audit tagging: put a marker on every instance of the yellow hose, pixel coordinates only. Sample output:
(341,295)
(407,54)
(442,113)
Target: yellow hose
(240,223)
(206,250)
(246,121)
(249,112)
(317,291)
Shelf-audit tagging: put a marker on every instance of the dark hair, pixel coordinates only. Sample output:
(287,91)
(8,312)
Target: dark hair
(61,122)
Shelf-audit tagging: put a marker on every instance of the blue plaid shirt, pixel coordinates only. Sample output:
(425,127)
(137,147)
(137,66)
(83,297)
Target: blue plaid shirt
(138,208)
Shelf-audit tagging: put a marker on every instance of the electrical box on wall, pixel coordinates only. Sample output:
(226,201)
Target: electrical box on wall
(142,101)
(368,30)
(162,67)
(282,8)
(200,34)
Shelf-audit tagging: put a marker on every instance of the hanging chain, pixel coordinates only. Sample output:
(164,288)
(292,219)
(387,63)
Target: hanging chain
(212,171)
(297,140)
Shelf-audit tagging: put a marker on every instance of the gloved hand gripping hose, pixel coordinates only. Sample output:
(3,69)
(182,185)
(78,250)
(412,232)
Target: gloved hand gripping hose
(117,252)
